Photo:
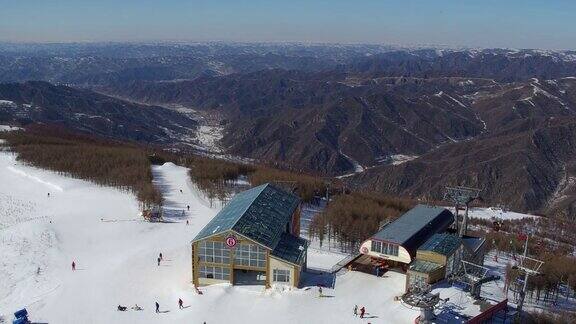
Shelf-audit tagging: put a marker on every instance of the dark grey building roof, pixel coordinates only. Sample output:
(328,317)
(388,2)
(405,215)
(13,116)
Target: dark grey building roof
(444,244)
(416,226)
(260,214)
(291,248)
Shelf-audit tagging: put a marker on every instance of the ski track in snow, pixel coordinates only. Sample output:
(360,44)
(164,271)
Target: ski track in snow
(26,175)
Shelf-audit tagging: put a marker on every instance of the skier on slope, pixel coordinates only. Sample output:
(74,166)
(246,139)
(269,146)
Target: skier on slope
(180,303)
(320,291)
(157,307)
(188,207)
(73,266)
(160,255)
(362,311)
(159,261)
(355,310)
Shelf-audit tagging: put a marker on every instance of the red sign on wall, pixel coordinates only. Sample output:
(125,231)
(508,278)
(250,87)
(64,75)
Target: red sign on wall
(231,241)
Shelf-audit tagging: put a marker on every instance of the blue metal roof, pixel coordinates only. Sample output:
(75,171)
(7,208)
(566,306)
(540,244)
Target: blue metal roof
(415,226)
(291,248)
(444,244)
(260,214)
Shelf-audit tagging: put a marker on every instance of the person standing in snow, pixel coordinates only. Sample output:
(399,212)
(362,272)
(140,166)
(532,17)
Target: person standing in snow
(180,303)
(355,310)
(159,261)
(362,311)
(320,291)
(157,308)
(73,266)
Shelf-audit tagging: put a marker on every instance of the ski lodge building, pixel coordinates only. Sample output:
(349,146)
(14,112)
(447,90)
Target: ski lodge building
(396,243)
(253,240)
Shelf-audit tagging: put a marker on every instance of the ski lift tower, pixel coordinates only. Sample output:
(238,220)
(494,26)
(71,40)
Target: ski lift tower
(474,276)
(421,297)
(530,267)
(461,197)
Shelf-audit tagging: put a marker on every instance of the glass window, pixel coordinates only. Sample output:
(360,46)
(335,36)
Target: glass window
(214,252)
(384,248)
(215,273)
(376,246)
(393,249)
(281,275)
(250,255)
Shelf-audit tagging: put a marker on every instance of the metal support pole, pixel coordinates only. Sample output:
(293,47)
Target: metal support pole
(456,220)
(464,225)
(523,292)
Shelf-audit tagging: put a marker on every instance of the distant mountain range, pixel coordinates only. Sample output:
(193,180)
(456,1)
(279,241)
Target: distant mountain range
(399,121)
(84,110)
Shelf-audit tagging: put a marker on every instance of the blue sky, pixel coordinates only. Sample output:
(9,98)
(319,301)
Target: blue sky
(472,23)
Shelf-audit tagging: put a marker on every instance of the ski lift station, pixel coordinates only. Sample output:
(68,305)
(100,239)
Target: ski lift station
(421,243)
(253,240)
(395,244)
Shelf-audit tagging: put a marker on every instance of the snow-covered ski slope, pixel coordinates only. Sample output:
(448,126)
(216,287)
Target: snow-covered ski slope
(115,252)
(99,228)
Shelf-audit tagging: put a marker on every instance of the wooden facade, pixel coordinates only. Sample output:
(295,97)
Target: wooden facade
(427,277)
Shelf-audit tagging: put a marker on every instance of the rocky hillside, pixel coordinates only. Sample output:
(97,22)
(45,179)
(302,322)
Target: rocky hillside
(84,110)
(324,123)
(525,160)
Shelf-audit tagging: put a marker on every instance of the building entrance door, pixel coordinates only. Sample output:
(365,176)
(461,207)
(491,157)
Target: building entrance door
(249,277)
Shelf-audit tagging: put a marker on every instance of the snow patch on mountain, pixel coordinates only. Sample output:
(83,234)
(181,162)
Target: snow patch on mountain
(209,137)
(8,128)
(357,166)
